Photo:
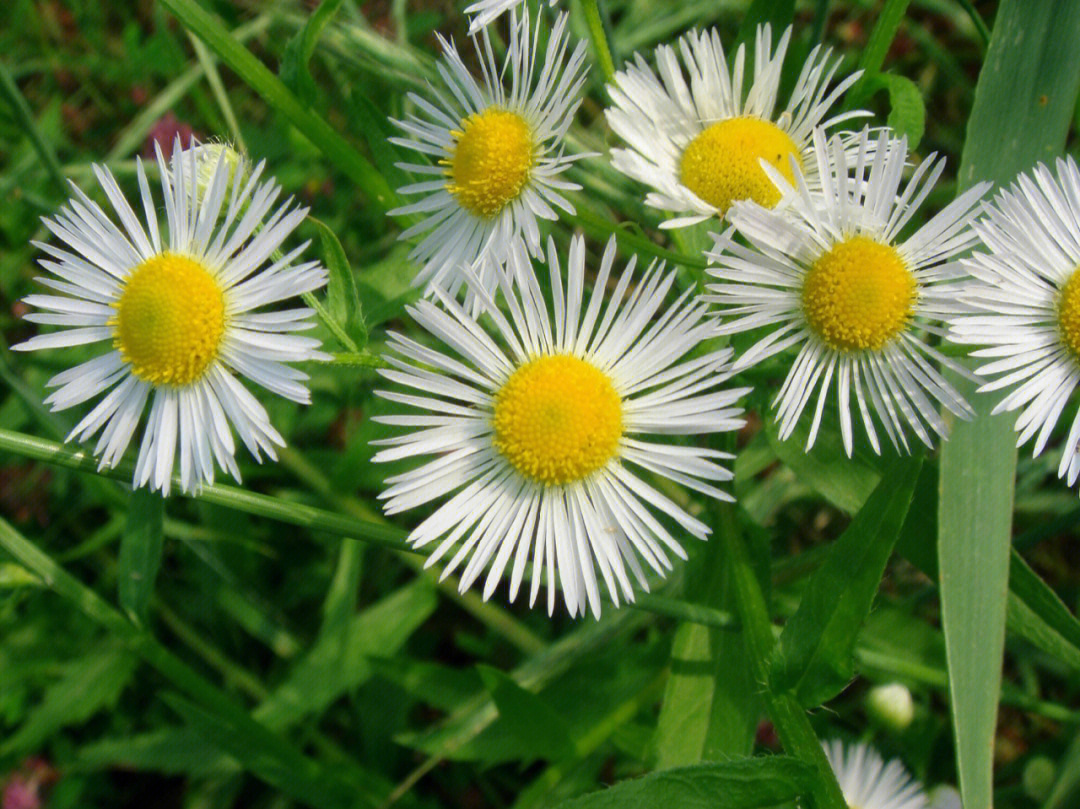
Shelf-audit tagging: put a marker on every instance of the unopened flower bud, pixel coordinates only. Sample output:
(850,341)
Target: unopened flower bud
(891,705)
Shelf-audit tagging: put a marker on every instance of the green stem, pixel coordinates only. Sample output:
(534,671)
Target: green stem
(788,717)
(261,505)
(976,18)
(330,323)
(363,359)
(599,38)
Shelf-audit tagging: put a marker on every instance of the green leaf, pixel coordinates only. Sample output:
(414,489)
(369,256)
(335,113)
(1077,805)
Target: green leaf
(908,110)
(88,685)
(175,751)
(844,482)
(1037,614)
(814,657)
(710,708)
(527,717)
(342,297)
(331,668)
(881,37)
(739,784)
(276,763)
(140,552)
(294,62)
(273,91)
(1024,102)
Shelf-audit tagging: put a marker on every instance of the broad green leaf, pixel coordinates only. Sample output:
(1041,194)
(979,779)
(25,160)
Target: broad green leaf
(88,685)
(710,708)
(814,657)
(298,50)
(274,762)
(1024,102)
(342,297)
(330,669)
(844,482)
(140,552)
(747,783)
(527,717)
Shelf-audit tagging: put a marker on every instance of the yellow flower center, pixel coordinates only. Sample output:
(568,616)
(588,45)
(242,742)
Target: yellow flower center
(557,419)
(1069,313)
(722,164)
(492,161)
(859,295)
(170,320)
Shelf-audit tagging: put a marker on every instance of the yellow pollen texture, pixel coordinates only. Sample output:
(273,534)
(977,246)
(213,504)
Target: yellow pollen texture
(721,165)
(169,320)
(859,295)
(492,161)
(557,419)
(1069,313)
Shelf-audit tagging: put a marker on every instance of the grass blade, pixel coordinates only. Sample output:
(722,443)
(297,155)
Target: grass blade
(140,552)
(1024,101)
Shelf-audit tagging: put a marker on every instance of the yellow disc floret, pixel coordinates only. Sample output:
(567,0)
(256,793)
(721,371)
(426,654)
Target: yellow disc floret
(169,320)
(722,164)
(492,161)
(1069,313)
(859,295)
(557,419)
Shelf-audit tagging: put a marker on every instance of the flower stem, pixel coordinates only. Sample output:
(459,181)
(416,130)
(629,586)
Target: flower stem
(788,717)
(599,38)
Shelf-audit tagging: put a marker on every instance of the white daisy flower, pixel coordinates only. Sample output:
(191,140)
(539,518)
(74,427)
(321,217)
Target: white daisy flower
(868,782)
(178,311)
(497,149)
(699,146)
(541,430)
(829,272)
(1026,299)
(484,11)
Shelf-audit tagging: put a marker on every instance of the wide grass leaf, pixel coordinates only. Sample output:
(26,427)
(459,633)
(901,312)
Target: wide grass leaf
(749,783)
(814,657)
(1024,101)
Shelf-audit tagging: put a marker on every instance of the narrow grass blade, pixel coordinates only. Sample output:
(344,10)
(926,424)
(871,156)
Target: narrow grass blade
(140,552)
(1024,101)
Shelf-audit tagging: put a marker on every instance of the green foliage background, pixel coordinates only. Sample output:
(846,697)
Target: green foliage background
(275,645)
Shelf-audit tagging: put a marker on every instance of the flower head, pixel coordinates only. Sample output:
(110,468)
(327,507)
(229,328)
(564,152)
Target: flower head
(1025,304)
(497,147)
(699,146)
(828,272)
(542,428)
(178,311)
(868,782)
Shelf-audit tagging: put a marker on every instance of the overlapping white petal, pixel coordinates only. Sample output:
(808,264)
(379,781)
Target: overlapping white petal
(229,225)
(1031,247)
(542,84)
(494,517)
(760,286)
(658,113)
(868,782)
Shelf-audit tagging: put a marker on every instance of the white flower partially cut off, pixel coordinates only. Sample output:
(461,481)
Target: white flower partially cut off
(540,433)
(697,140)
(1025,297)
(179,311)
(828,272)
(868,782)
(496,150)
